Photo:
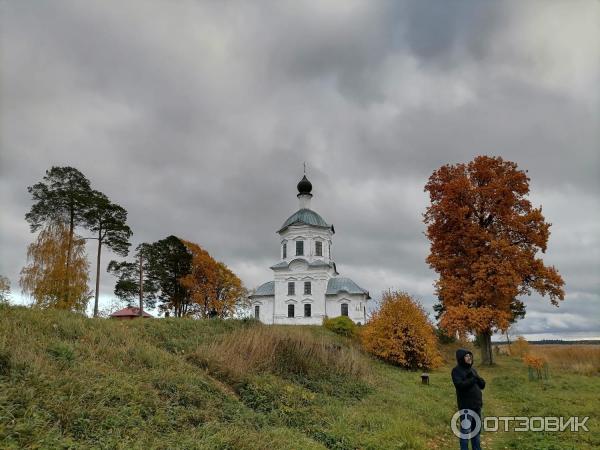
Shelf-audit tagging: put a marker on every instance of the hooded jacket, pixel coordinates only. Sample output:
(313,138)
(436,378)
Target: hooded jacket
(467,382)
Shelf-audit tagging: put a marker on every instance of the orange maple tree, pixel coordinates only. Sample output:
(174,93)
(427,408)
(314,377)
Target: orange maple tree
(485,237)
(213,287)
(400,333)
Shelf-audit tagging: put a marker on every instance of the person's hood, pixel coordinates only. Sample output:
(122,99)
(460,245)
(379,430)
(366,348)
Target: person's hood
(460,357)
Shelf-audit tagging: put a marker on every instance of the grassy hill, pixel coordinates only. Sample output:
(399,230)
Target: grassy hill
(71,382)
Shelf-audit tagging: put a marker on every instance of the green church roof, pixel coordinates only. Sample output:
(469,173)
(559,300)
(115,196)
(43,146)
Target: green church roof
(305,216)
(342,284)
(265,289)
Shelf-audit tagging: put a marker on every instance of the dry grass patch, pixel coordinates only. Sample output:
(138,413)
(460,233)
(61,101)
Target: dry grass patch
(284,351)
(580,359)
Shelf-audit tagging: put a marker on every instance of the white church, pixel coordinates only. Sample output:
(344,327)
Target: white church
(307,286)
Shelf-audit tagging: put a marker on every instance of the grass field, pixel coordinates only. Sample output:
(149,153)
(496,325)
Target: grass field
(582,359)
(73,382)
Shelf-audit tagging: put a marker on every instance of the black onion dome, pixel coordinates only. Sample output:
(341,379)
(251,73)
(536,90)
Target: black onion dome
(305,186)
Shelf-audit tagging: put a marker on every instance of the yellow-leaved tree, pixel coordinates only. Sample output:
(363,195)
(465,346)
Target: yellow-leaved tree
(200,280)
(229,293)
(4,289)
(52,278)
(215,290)
(400,333)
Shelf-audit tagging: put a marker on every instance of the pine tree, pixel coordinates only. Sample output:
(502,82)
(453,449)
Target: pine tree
(108,221)
(62,197)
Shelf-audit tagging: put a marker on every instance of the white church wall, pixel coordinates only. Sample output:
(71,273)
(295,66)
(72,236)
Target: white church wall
(356,306)
(265,305)
(300,273)
(299,319)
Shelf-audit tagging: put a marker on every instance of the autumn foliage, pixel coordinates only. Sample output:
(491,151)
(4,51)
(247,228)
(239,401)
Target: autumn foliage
(485,237)
(214,289)
(400,333)
(534,362)
(53,279)
(520,347)
(536,365)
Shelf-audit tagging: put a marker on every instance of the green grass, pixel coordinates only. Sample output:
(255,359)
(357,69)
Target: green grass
(71,382)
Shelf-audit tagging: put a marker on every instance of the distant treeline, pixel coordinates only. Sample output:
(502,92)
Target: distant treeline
(556,341)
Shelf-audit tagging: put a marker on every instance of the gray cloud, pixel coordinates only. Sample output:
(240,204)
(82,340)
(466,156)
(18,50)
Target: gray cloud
(197,116)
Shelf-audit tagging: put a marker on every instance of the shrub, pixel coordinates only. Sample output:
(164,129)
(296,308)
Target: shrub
(401,334)
(536,365)
(535,362)
(520,347)
(341,325)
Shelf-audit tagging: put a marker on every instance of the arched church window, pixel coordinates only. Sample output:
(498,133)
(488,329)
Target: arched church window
(290,311)
(291,288)
(256,312)
(299,248)
(284,250)
(344,309)
(318,248)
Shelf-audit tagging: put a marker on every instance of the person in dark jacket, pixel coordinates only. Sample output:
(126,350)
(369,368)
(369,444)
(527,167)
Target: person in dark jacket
(468,386)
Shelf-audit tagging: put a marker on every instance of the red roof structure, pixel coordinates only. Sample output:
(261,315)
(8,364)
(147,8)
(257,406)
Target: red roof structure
(130,313)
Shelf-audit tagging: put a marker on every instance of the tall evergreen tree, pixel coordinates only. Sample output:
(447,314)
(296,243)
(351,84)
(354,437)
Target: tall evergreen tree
(108,220)
(168,261)
(133,282)
(61,197)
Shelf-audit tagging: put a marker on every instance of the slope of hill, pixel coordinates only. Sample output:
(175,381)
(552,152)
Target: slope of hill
(68,381)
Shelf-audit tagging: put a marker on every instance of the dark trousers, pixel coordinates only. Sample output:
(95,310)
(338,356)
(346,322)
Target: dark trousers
(475,440)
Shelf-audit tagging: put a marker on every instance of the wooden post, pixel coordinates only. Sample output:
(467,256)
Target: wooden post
(97,293)
(141,286)
(425,378)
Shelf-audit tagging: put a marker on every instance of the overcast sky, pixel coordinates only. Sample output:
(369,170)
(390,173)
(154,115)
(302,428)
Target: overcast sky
(196,117)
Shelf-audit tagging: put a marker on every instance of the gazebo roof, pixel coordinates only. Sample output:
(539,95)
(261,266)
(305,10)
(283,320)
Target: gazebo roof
(128,312)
